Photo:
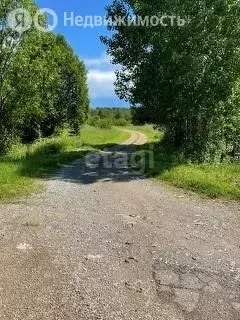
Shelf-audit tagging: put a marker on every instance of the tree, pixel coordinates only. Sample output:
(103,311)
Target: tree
(181,77)
(10,42)
(35,81)
(72,102)
(43,86)
(50,86)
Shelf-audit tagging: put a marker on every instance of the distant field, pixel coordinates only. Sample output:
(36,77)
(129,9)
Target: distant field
(221,180)
(20,167)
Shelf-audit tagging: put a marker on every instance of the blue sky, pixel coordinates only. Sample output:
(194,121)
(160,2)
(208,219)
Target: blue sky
(87,45)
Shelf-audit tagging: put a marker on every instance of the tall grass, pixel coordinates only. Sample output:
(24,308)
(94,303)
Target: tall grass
(213,180)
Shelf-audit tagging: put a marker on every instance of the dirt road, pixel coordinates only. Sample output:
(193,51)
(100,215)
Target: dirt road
(105,243)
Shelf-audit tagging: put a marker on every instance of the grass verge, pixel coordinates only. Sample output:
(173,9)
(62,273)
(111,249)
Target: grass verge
(213,180)
(21,167)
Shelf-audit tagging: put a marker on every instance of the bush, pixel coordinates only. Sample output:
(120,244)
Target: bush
(121,122)
(46,148)
(6,141)
(94,120)
(104,124)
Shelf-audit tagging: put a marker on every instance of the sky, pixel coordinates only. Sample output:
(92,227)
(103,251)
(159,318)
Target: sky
(87,45)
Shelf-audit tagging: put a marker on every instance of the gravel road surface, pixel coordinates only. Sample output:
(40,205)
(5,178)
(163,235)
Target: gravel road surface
(106,243)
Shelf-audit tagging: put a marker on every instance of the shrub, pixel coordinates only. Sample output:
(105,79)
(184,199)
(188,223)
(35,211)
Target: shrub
(121,122)
(105,124)
(45,148)
(94,120)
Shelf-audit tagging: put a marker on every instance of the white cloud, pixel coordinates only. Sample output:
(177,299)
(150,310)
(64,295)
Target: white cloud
(101,83)
(102,61)
(101,77)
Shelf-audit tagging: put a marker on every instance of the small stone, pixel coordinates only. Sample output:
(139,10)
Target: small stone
(94,258)
(131,259)
(128,243)
(24,246)
(139,290)
(128,285)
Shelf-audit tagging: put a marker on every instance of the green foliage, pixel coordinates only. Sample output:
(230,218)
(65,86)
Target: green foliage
(106,117)
(105,123)
(10,42)
(43,83)
(184,78)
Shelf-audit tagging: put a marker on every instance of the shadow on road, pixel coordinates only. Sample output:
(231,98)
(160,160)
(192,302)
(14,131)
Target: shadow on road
(118,163)
(113,163)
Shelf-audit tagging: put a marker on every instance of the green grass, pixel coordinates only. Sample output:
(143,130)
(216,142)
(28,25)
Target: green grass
(212,180)
(21,167)
(93,136)
(216,181)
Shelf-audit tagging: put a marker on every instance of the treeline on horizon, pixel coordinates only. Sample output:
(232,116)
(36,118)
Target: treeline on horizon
(43,84)
(106,117)
(185,78)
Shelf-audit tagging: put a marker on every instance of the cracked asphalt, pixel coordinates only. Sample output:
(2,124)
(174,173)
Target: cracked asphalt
(105,243)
